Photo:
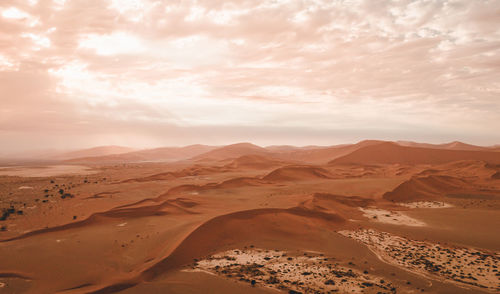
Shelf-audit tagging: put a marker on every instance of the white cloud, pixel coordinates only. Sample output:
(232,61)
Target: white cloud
(14,13)
(6,64)
(124,6)
(39,40)
(115,43)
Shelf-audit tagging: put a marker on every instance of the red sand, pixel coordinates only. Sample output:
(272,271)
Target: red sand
(136,227)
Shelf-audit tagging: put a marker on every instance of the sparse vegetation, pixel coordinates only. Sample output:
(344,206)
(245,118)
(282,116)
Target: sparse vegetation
(67,195)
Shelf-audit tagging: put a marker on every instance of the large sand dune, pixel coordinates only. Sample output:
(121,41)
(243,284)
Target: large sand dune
(391,153)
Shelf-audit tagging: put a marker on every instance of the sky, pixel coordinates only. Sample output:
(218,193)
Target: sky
(140,73)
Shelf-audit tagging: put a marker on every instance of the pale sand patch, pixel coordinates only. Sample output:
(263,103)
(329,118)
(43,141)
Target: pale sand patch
(426,204)
(466,267)
(46,171)
(390,217)
(307,273)
(25,188)
(197,270)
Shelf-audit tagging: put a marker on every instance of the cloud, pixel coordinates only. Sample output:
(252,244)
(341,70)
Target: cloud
(114,44)
(376,69)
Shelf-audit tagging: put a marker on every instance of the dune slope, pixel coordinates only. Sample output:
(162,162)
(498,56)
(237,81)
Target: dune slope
(391,153)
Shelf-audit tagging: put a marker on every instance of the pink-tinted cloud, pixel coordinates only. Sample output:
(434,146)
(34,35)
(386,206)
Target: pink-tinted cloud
(140,72)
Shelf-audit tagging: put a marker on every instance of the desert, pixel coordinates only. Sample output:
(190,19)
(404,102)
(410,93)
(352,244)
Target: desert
(255,220)
(270,146)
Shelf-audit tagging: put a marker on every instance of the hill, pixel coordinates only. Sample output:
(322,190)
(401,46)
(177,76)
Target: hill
(391,153)
(455,145)
(323,154)
(232,151)
(297,173)
(156,154)
(425,188)
(95,151)
(254,162)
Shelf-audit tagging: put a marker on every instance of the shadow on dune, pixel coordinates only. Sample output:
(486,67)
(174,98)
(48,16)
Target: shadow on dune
(189,188)
(351,201)
(14,275)
(297,173)
(171,206)
(436,187)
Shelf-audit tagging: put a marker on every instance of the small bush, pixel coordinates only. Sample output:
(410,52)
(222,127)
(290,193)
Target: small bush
(67,195)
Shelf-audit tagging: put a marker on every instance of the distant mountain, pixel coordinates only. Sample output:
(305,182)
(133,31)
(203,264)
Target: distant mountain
(156,154)
(391,153)
(368,151)
(288,148)
(95,151)
(323,154)
(455,145)
(232,151)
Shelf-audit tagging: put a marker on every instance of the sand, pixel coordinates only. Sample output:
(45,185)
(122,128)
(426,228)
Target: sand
(309,272)
(163,227)
(46,171)
(426,204)
(390,217)
(468,267)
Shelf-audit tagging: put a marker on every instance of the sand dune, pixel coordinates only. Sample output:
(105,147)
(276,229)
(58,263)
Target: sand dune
(94,152)
(243,227)
(427,188)
(255,162)
(469,169)
(243,162)
(171,206)
(308,154)
(299,172)
(232,151)
(391,153)
(456,145)
(157,154)
(351,201)
(192,171)
(323,154)
(288,148)
(241,182)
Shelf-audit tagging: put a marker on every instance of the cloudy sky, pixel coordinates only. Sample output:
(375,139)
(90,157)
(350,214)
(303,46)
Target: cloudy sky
(80,73)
